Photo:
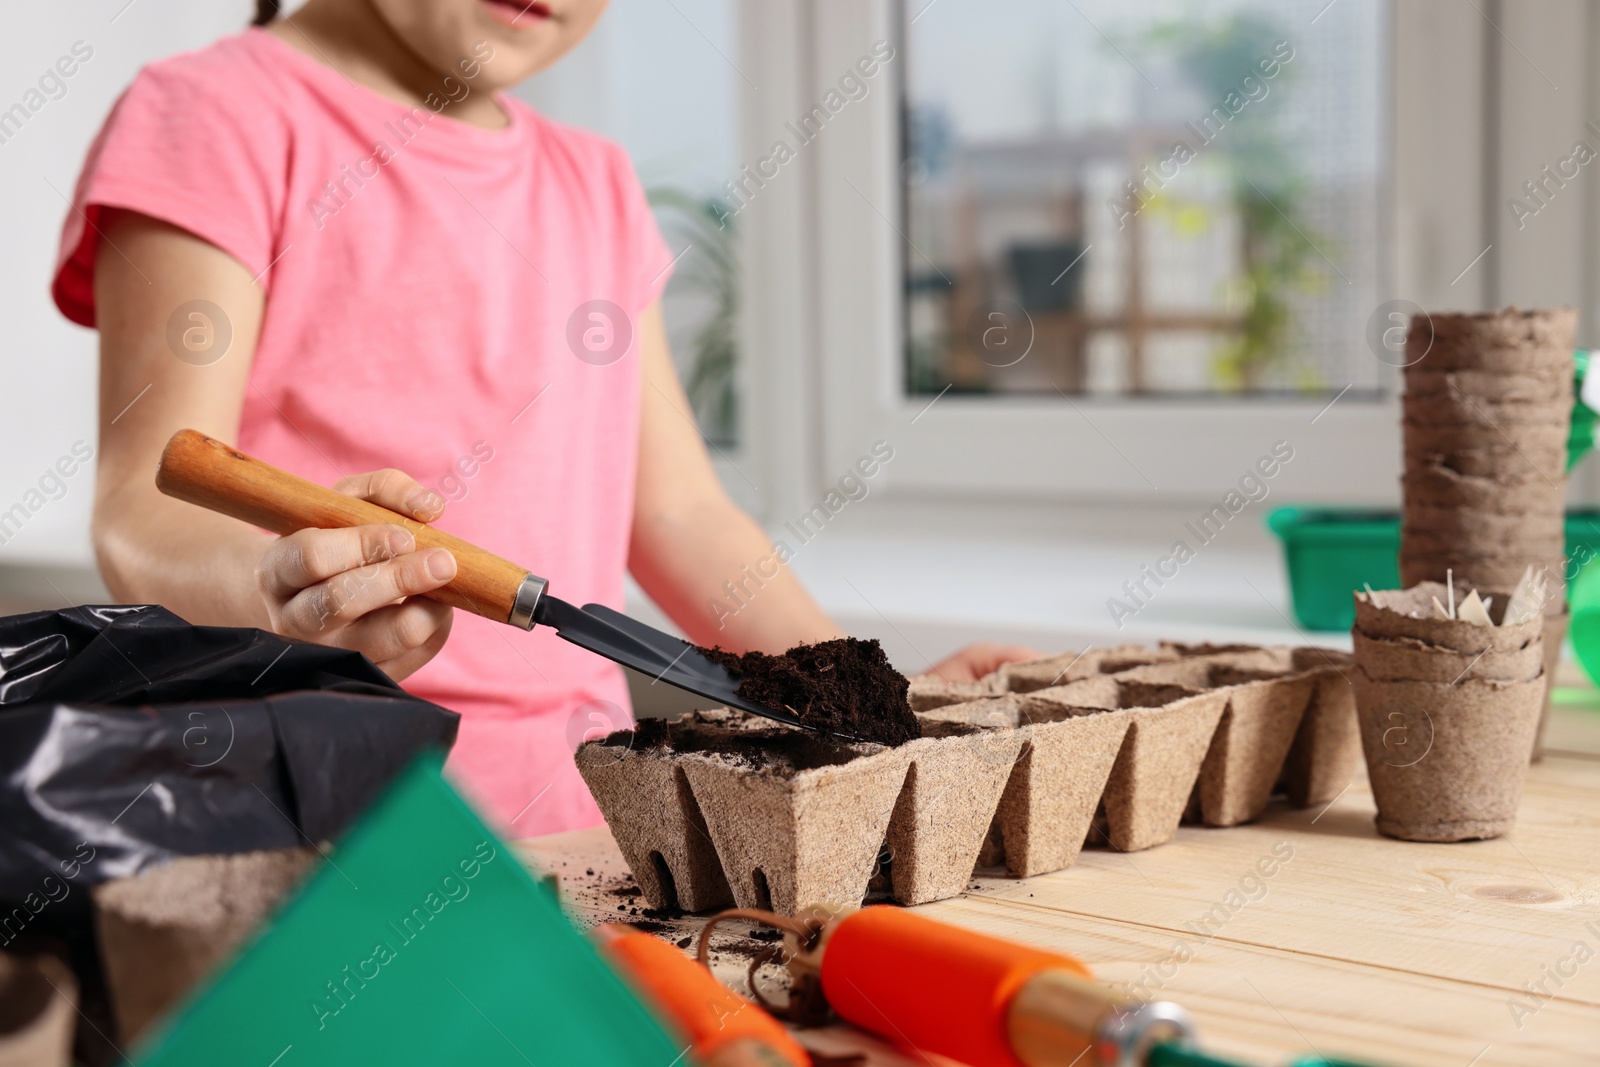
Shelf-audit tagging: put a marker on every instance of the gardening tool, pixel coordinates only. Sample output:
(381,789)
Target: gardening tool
(721,1028)
(977,999)
(204,471)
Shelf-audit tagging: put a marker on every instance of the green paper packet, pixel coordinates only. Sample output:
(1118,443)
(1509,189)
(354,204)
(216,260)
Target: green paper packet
(421,939)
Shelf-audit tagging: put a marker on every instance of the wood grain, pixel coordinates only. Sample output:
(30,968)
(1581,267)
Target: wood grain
(204,471)
(1385,951)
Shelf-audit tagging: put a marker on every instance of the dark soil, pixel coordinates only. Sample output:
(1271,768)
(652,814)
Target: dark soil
(843,688)
(676,735)
(778,749)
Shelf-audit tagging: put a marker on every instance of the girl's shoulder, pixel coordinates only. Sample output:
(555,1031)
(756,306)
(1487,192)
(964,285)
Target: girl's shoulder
(232,70)
(230,95)
(197,140)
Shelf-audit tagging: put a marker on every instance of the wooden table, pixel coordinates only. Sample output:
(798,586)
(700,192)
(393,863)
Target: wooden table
(1385,951)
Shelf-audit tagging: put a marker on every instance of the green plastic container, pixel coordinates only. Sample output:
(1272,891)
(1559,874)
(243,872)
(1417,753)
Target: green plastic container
(1331,552)
(1583,597)
(420,940)
(1584,629)
(1580,438)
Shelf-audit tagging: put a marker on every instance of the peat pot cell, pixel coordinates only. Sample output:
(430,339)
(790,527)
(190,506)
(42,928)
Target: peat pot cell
(1049,804)
(1071,666)
(637,779)
(1327,746)
(951,791)
(929,691)
(1169,733)
(1258,726)
(795,819)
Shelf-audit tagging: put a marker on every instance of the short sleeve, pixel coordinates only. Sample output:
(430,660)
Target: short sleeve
(191,143)
(651,259)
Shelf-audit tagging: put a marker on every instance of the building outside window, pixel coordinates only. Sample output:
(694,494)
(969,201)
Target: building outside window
(1140,198)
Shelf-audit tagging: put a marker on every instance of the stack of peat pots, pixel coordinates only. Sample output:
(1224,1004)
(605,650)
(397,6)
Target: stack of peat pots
(1488,404)
(1448,709)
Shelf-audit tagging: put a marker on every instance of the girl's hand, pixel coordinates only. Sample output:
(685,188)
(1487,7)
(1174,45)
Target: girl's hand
(358,588)
(975,661)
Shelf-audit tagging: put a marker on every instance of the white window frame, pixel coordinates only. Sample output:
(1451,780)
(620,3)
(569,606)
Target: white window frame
(825,255)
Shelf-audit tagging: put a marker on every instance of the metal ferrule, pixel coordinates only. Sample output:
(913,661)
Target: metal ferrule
(1127,1033)
(528,594)
(1062,1019)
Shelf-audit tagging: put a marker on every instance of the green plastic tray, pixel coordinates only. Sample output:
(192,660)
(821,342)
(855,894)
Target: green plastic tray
(420,940)
(1331,552)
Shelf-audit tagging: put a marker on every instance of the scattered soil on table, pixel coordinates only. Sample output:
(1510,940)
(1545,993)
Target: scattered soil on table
(742,946)
(627,894)
(736,945)
(843,687)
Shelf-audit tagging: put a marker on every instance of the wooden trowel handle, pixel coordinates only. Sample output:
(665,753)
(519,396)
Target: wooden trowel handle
(204,471)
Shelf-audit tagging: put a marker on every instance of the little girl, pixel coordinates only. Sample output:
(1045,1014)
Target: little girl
(333,241)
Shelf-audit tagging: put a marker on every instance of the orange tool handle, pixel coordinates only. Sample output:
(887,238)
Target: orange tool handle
(204,471)
(721,1028)
(933,986)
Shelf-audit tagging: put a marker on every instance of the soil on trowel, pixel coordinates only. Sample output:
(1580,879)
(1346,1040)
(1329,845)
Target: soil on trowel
(844,688)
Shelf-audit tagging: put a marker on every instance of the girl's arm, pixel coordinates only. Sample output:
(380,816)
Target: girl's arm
(689,539)
(334,587)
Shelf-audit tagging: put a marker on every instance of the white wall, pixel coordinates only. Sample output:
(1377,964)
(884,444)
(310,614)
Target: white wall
(48,365)
(653,77)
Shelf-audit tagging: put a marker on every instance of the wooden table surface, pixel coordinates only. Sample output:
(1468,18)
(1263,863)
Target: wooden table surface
(1385,951)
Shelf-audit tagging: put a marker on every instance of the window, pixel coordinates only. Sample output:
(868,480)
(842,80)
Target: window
(1137,198)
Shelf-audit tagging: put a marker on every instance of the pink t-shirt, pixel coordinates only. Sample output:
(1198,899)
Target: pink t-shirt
(429,288)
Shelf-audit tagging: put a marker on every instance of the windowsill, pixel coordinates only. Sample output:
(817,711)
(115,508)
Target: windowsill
(27,585)
(927,594)
(927,580)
